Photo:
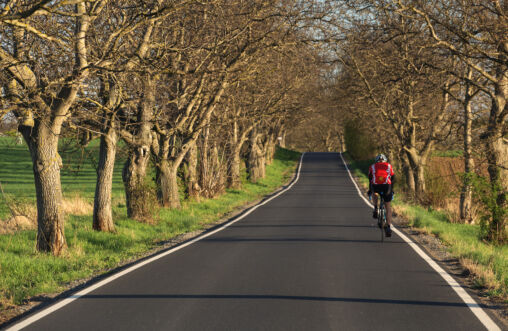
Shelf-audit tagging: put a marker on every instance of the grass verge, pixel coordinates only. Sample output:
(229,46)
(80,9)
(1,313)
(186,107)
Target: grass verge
(25,273)
(487,263)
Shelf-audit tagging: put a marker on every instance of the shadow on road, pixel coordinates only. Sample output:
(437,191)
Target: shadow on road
(273,297)
(300,240)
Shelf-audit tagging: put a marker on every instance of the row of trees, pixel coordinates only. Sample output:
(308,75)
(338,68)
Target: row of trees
(200,85)
(416,72)
(185,84)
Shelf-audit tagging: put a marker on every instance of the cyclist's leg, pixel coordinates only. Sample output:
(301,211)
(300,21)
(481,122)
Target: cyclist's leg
(388,208)
(388,199)
(374,200)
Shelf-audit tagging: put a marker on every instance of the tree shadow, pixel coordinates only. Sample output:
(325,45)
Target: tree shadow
(275,297)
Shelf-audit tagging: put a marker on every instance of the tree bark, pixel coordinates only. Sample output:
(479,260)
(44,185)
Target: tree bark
(282,140)
(417,164)
(102,212)
(270,151)
(234,180)
(43,146)
(466,191)
(256,163)
(133,176)
(191,175)
(497,155)
(497,151)
(204,164)
(410,178)
(234,160)
(166,174)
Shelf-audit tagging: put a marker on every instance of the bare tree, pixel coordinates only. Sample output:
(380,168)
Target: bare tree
(475,32)
(41,37)
(390,57)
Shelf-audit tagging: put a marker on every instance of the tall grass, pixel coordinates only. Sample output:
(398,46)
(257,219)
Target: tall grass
(25,273)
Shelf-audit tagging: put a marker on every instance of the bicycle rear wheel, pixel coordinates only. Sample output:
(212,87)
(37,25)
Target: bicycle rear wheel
(381,220)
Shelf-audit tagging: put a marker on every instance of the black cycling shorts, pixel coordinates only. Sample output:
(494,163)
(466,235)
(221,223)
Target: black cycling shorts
(384,190)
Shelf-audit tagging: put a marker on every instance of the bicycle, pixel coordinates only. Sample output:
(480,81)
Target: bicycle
(381,215)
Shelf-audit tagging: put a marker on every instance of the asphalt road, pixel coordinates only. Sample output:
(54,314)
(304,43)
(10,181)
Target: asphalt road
(311,259)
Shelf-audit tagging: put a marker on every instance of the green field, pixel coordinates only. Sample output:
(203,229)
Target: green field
(77,175)
(25,273)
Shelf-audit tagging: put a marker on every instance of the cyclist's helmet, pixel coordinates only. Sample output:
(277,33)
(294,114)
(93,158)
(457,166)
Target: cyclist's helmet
(381,158)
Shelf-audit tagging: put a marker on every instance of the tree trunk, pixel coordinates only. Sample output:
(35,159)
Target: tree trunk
(497,150)
(234,160)
(191,175)
(204,168)
(270,149)
(417,166)
(234,180)
(410,179)
(133,176)
(43,146)
(497,154)
(166,174)
(102,213)
(408,175)
(134,171)
(342,144)
(282,140)
(256,164)
(419,176)
(466,192)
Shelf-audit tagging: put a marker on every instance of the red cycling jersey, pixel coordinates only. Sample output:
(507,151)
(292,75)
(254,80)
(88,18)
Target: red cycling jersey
(381,173)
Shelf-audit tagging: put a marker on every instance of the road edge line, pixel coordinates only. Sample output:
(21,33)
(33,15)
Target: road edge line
(46,311)
(461,292)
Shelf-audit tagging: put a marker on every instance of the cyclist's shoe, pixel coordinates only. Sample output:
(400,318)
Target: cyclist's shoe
(374,214)
(388,231)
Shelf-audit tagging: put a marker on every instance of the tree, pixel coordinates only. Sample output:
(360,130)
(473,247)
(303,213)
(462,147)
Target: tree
(475,32)
(38,38)
(390,57)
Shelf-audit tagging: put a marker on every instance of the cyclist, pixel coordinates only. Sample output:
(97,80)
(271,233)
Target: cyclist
(381,178)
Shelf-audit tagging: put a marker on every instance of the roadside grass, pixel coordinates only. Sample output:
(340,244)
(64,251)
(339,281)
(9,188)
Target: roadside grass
(487,263)
(25,273)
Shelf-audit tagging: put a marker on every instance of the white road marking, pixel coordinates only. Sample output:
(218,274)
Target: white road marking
(24,323)
(468,300)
